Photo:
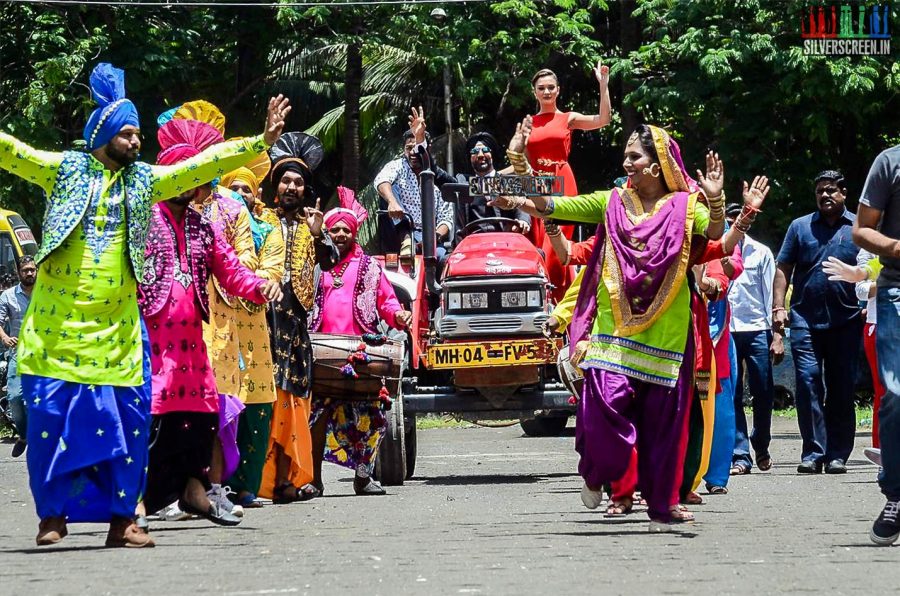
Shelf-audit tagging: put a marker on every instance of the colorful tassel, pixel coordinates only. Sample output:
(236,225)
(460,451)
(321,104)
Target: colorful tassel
(348,371)
(385,396)
(374,339)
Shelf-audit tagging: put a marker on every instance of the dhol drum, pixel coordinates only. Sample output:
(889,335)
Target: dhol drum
(571,376)
(381,366)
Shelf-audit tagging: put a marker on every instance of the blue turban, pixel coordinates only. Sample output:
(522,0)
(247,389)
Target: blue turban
(114,111)
(166,116)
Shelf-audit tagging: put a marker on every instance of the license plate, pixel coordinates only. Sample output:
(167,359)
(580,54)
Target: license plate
(491,353)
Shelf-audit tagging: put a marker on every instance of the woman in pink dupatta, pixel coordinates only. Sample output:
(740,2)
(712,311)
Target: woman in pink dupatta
(350,300)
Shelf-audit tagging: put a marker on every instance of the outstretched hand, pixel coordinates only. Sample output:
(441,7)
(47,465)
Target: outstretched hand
(279,108)
(755,194)
(519,140)
(315,219)
(417,124)
(714,179)
(837,270)
(601,73)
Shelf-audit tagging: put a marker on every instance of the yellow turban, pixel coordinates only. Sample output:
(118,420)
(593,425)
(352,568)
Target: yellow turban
(203,111)
(243,175)
(251,174)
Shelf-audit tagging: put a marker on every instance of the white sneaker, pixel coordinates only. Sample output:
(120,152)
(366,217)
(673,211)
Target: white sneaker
(173,513)
(591,498)
(873,455)
(218,495)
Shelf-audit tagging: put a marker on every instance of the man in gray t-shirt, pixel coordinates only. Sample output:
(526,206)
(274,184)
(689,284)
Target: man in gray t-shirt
(877,229)
(13,304)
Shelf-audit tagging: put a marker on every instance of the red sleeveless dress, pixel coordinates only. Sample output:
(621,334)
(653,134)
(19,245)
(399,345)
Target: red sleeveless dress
(548,153)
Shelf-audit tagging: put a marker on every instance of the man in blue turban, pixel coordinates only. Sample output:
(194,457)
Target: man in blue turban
(83,351)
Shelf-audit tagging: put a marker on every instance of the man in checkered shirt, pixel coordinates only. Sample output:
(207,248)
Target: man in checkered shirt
(398,185)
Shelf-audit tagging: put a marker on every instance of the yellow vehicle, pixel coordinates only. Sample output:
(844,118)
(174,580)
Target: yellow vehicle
(16,240)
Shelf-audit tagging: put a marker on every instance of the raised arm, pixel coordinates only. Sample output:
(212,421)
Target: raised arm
(170,181)
(712,183)
(754,197)
(32,165)
(595,121)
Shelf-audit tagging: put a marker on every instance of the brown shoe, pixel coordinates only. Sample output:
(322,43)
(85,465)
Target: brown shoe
(123,532)
(51,530)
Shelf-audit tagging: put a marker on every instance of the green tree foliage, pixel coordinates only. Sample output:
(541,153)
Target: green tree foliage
(730,75)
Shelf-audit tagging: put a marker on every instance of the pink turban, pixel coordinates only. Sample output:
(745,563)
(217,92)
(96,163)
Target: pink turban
(350,212)
(182,139)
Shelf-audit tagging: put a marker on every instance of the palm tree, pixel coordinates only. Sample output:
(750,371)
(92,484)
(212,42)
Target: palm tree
(364,91)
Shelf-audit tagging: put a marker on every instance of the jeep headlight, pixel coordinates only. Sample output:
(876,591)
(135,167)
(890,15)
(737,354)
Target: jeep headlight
(474,300)
(534,298)
(454,301)
(513,299)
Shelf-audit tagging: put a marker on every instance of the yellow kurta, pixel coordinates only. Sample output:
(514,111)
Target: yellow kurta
(221,333)
(258,383)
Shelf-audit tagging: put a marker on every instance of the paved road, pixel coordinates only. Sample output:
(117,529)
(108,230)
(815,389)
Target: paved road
(490,512)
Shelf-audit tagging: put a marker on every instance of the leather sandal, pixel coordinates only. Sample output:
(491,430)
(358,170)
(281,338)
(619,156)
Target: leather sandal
(308,492)
(51,531)
(123,532)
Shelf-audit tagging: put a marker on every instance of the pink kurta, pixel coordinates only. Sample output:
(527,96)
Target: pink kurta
(183,380)
(337,316)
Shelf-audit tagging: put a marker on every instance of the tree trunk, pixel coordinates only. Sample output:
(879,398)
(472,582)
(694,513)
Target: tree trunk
(352,88)
(630,29)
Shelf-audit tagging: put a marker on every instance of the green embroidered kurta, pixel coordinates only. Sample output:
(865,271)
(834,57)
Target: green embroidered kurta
(655,353)
(83,323)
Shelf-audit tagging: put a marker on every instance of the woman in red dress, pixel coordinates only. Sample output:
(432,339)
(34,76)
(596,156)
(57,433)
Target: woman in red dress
(548,153)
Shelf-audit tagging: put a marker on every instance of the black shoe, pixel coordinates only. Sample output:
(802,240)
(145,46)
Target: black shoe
(367,487)
(836,466)
(810,467)
(886,528)
(19,448)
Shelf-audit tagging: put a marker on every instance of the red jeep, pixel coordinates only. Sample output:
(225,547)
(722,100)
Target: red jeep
(476,348)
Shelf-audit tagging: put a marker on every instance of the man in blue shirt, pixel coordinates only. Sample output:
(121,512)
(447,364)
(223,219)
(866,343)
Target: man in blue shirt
(13,304)
(825,324)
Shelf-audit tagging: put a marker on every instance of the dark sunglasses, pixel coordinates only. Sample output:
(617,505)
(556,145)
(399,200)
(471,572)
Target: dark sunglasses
(477,150)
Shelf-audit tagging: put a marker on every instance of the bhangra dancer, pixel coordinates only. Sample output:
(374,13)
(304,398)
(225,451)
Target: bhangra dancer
(183,249)
(350,299)
(288,470)
(632,320)
(258,383)
(83,351)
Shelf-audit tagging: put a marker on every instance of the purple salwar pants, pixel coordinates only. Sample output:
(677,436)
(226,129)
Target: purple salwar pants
(617,413)
(230,409)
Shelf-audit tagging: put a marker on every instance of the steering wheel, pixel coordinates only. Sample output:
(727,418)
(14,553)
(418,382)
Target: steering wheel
(499,224)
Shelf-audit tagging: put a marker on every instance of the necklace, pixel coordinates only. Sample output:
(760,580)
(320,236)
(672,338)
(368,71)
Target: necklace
(337,280)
